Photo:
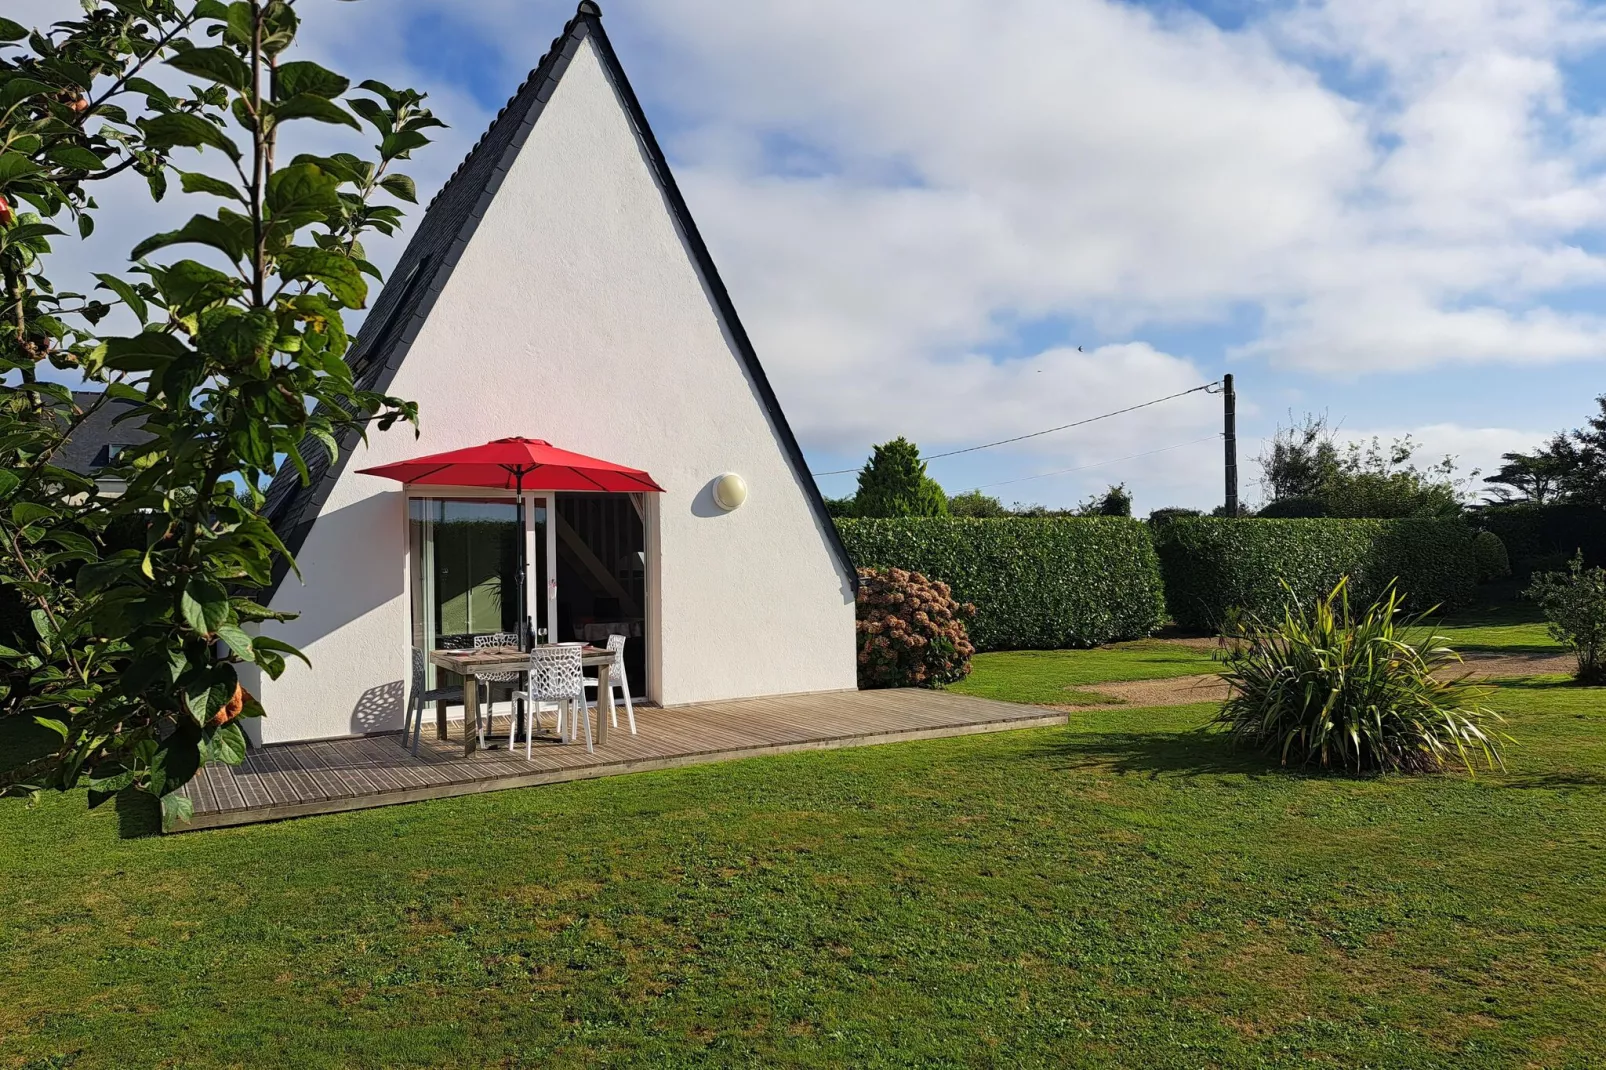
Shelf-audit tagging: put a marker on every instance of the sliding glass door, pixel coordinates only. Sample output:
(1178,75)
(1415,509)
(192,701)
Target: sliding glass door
(464,559)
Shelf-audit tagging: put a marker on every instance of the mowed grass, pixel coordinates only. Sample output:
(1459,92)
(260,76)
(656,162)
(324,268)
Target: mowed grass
(1502,624)
(1054,677)
(1125,891)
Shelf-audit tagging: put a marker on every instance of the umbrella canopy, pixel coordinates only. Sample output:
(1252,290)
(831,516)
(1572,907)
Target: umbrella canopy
(518,464)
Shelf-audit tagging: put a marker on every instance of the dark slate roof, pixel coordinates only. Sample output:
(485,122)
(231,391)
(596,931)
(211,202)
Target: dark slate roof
(443,233)
(89,447)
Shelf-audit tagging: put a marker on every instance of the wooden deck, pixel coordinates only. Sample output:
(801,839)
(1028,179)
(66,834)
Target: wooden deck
(295,779)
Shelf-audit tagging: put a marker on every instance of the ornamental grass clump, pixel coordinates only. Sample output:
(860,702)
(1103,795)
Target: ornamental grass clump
(911,631)
(1359,694)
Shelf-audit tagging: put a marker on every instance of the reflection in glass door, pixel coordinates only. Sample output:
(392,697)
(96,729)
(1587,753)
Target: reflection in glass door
(464,557)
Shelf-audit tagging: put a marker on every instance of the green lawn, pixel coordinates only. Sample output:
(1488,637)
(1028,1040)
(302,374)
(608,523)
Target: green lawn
(1051,677)
(1502,624)
(1123,891)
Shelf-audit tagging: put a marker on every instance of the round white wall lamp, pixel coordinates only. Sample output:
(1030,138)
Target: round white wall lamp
(730,491)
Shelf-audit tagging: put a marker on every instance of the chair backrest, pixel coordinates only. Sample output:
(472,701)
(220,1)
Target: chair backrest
(616,643)
(555,672)
(497,639)
(418,669)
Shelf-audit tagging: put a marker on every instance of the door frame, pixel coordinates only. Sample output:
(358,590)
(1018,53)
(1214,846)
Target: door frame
(652,625)
(542,613)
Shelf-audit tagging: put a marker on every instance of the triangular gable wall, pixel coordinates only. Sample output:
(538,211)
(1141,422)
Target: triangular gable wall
(443,234)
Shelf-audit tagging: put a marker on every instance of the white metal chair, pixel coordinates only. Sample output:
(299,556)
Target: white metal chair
(617,682)
(421,697)
(489,678)
(555,676)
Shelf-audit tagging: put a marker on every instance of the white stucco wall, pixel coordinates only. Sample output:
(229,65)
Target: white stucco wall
(577,315)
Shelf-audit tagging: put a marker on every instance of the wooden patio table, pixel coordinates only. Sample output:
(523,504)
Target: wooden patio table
(472,664)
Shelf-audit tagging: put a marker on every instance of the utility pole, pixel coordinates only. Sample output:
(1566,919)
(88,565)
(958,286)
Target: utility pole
(1229,403)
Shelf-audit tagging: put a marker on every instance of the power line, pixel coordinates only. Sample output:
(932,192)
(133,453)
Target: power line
(1100,464)
(1049,431)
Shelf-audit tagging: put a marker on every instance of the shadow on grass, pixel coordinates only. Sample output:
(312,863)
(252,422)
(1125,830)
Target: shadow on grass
(138,814)
(1566,779)
(1539,683)
(1196,752)
(22,741)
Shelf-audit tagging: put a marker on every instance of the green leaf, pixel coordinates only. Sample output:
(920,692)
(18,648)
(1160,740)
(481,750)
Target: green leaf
(301,194)
(238,641)
(337,273)
(54,725)
(227,743)
(215,64)
(307,106)
(9,481)
(12,31)
(176,810)
(193,182)
(398,145)
(75,157)
(98,575)
(143,352)
(26,513)
(182,129)
(14,165)
(136,303)
(111,785)
(267,642)
(188,285)
(237,335)
(303,76)
(205,604)
(400,186)
(229,233)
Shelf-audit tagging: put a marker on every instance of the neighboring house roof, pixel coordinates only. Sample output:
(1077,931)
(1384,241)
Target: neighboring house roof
(444,232)
(94,442)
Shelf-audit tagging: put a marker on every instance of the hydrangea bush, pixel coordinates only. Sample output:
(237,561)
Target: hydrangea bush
(911,631)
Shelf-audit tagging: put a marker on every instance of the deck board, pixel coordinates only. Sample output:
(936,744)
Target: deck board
(327,776)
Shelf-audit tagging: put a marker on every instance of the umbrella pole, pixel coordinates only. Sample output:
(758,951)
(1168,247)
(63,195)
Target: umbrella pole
(524,565)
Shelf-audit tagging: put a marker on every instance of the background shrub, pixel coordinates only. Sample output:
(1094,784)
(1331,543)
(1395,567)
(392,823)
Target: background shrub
(1575,604)
(911,631)
(1540,538)
(1212,565)
(1036,584)
(1298,507)
(1490,554)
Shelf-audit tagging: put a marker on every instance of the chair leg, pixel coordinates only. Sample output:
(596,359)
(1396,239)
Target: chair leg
(630,709)
(613,711)
(585,716)
(418,725)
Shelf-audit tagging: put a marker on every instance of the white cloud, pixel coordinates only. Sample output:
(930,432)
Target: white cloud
(892,189)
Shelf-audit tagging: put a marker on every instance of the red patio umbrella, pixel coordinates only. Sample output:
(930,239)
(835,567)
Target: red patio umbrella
(513,463)
(509,464)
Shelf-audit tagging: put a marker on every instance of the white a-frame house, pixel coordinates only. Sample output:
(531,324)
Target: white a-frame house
(558,289)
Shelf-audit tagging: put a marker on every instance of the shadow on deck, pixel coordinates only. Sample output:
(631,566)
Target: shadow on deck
(296,779)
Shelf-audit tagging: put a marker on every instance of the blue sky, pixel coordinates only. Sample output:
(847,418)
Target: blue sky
(1394,213)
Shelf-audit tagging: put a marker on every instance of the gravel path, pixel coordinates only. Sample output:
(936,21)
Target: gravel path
(1208,687)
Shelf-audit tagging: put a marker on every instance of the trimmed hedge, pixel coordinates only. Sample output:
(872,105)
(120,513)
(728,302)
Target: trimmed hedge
(1490,553)
(1036,584)
(1212,565)
(1542,535)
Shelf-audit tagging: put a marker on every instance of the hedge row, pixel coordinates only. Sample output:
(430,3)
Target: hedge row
(1212,565)
(1540,537)
(1036,584)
